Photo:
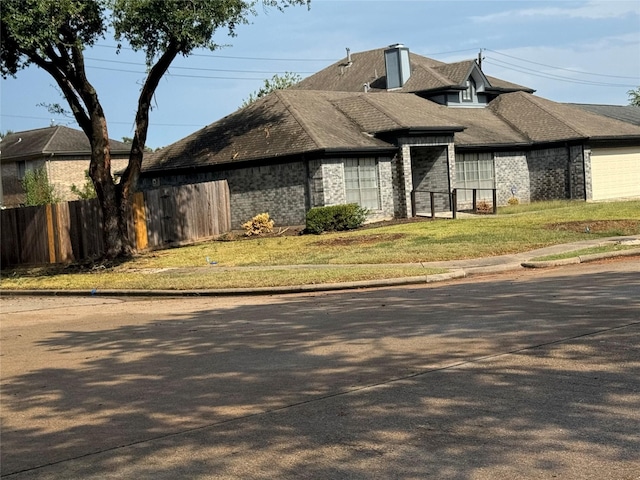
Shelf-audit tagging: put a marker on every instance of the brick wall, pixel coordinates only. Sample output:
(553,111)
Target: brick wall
(577,172)
(334,186)
(333,181)
(549,173)
(588,187)
(430,174)
(512,175)
(64,172)
(403,178)
(387,199)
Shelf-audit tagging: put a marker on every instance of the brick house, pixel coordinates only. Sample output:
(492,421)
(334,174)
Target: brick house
(386,127)
(63,151)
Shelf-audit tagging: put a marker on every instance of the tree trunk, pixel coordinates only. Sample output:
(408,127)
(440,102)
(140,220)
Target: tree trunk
(112,201)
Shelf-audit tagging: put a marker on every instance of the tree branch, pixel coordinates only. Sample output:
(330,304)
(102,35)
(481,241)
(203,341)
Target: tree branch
(130,176)
(68,88)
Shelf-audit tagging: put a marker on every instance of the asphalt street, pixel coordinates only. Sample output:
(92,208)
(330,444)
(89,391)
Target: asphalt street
(524,374)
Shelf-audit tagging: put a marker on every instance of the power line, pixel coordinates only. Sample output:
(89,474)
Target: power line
(550,76)
(193,68)
(232,57)
(72,120)
(175,74)
(235,57)
(560,68)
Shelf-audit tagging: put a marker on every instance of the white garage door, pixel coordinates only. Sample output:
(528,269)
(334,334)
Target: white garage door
(615,173)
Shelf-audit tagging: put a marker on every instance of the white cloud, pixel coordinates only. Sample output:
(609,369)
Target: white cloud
(592,10)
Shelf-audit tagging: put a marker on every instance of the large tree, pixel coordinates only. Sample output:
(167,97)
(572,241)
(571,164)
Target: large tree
(634,97)
(277,82)
(53,35)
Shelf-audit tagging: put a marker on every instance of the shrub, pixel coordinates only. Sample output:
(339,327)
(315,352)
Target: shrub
(258,225)
(87,190)
(513,201)
(335,217)
(38,190)
(483,207)
(227,237)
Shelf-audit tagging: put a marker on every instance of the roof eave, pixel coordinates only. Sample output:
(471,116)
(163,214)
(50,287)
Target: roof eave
(316,153)
(46,155)
(626,140)
(508,90)
(416,130)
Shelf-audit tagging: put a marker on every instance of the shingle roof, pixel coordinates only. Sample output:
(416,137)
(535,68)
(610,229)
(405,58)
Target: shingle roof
(542,120)
(624,113)
(343,118)
(57,140)
(369,68)
(291,122)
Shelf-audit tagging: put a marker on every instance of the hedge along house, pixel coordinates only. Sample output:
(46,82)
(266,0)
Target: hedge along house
(384,128)
(64,152)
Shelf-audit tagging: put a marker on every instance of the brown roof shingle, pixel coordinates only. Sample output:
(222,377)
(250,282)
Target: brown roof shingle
(369,68)
(57,140)
(542,120)
(290,122)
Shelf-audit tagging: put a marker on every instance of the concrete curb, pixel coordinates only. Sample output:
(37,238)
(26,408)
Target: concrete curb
(453,274)
(581,259)
(321,287)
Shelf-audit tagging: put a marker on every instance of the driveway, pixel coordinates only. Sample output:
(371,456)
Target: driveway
(528,374)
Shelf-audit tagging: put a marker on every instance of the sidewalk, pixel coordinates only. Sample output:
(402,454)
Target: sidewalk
(455,269)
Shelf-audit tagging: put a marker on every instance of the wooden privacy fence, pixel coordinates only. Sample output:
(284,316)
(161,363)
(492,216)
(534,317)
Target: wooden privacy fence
(72,231)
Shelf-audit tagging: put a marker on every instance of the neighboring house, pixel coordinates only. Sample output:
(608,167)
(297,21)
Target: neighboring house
(63,151)
(384,128)
(624,113)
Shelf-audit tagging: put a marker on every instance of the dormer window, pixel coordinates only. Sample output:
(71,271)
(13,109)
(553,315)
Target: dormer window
(469,93)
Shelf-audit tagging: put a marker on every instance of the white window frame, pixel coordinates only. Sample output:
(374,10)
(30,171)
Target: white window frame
(362,183)
(475,170)
(469,94)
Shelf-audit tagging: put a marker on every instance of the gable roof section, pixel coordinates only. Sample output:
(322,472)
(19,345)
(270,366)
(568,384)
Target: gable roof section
(369,68)
(281,124)
(57,140)
(482,128)
(542,120)
(377,114)
(457,73)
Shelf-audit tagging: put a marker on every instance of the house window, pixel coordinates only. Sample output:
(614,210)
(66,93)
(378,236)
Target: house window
(22,169)
(470,92)
(361,182)
(474,170)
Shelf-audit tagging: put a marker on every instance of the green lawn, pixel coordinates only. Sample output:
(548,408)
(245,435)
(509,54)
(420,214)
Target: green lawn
(515,229)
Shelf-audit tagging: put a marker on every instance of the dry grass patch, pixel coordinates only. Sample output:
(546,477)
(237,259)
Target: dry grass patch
(359,240)
(610,227)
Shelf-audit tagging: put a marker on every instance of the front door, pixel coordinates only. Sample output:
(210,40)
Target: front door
(430,173)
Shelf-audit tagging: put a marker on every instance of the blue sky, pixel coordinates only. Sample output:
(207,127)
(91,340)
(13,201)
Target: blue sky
(569,51)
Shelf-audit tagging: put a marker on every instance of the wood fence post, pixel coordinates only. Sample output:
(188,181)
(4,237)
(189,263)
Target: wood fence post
(51,234)
(140,221)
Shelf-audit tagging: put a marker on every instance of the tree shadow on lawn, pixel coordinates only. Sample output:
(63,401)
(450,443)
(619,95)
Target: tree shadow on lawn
(364,384)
